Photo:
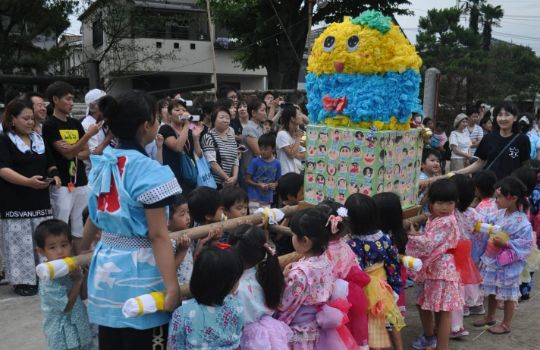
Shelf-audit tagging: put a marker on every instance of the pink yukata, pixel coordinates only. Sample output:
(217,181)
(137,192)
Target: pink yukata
(346,268)
(472,296)
(441,281)
(308,287)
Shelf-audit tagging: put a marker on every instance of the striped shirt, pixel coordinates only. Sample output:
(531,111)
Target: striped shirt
(228,151)
(475,135)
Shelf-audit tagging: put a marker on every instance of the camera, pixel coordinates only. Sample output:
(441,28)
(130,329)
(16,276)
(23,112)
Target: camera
(195,118)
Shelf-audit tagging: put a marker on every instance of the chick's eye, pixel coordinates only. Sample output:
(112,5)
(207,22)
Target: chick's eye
(329,43)
(352,43)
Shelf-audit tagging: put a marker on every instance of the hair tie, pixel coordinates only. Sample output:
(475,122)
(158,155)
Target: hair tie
(343,212)
(333,221)
(269,249)
(222,246)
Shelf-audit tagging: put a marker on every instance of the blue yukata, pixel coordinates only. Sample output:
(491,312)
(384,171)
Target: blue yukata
(124,182)
(503,281)
(262,171)
(197,326)
(63,330)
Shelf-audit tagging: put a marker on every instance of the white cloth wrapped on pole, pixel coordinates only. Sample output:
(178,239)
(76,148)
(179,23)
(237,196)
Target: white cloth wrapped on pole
(487,228)
(272,216)
(56,268)
(144,304)
(411,263)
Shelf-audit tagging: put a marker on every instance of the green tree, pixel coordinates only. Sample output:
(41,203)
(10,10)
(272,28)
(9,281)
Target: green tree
(455,50)
(469,71)
(511,70)
(491,17)
(22,23)
(273,33)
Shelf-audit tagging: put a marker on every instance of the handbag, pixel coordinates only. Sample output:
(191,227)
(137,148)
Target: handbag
(188,170)
(204,174)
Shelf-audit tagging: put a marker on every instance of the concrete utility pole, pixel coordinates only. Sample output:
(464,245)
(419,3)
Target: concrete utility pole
(431,92)
(212,40)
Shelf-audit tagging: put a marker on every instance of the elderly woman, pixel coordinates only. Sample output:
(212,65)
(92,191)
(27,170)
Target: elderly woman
(460,143)
(219,147)
(26,170)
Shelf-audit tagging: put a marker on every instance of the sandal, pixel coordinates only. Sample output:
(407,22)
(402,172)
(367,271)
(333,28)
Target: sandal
(499,329)
(483,322)
(25,290)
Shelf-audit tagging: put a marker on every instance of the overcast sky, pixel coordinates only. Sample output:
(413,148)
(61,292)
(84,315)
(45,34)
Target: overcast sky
(520,24)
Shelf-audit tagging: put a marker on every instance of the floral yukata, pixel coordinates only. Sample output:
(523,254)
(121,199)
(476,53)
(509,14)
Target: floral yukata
(261,331)
(379,258)
(503,281)
(197,326)
(63,330)
(342,258)
(124,182)
(441,281)
(486,207)
(308,285)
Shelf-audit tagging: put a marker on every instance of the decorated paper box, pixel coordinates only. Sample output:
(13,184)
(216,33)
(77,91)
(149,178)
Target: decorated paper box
(343,161)
(362,86)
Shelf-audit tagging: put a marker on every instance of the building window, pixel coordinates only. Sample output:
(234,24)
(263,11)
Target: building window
(158,44)
(176,45)
(97,33)
(192,46)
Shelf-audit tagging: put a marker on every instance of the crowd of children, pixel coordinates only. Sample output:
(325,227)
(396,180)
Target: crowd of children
(342,286)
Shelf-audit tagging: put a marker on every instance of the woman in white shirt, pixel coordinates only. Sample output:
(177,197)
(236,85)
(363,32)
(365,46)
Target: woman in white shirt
(460,143)
(289,150)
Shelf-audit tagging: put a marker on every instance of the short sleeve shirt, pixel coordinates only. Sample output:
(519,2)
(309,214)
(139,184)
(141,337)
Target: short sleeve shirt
(511,158)
(462,141)
(262,171)
(70,131)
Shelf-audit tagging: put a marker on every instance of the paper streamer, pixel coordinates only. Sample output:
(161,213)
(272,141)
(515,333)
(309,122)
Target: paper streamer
(144,304)
(56,268)
(411,263)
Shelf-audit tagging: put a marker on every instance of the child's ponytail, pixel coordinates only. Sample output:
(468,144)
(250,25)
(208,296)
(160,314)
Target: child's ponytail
(512,186)
(250,242)
(270,277)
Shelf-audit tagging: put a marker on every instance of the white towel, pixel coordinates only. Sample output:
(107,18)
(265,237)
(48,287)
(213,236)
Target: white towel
(272,215)
(144,304)
(412,263)
(56,268)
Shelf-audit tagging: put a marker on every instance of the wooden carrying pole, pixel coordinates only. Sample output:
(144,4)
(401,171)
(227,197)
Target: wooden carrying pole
(202,231)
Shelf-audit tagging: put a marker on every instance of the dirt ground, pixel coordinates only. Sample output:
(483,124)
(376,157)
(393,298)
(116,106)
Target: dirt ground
(21,329)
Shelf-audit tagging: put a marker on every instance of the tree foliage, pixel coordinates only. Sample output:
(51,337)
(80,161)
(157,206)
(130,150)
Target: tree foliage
(22,23)
(272,33)
(472,67)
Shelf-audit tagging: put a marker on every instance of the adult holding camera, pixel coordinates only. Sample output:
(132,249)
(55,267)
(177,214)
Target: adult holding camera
(180,141)
(27,168)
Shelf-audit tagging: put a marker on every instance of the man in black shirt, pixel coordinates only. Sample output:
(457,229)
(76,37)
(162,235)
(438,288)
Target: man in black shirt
(68,142)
